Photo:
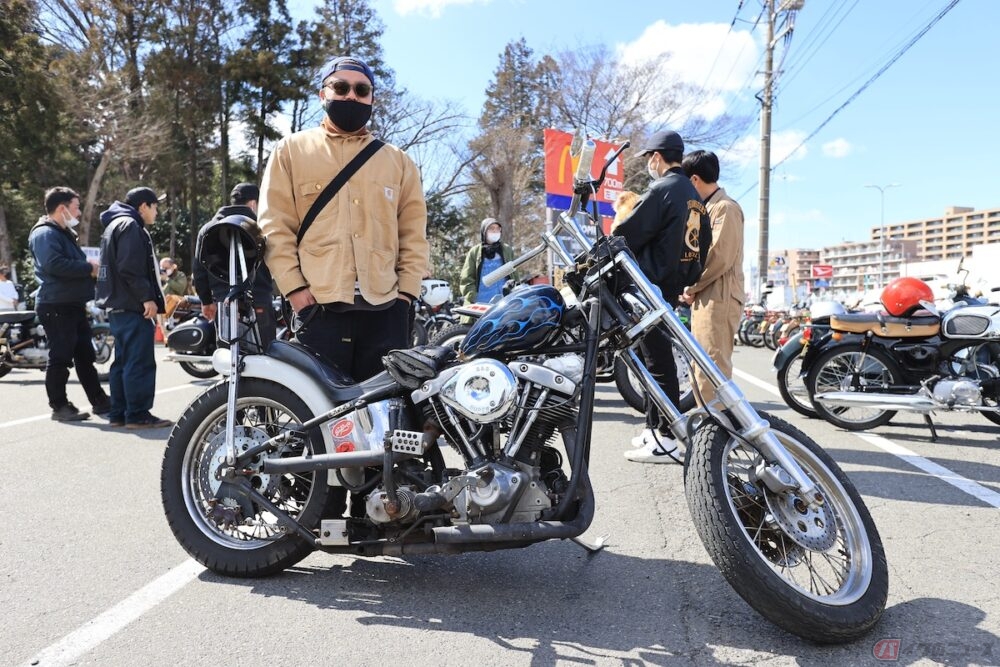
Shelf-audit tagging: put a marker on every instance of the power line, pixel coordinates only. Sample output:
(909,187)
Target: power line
(870,81)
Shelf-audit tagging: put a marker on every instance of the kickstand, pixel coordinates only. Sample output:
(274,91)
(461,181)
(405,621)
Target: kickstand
(930,424)
(590,547)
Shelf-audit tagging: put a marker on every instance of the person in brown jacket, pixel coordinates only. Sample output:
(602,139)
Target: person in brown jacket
(358,268)
(716,300)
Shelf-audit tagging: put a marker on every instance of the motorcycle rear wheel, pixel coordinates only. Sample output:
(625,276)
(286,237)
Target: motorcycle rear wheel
(199,369)
(230,535)
(823,575)
(835,370)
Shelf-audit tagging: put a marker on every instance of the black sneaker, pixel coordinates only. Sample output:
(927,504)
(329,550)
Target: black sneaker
(149,422)
(102,409)
(69,413)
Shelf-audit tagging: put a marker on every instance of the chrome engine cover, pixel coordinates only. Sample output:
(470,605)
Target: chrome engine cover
(484,391)
(963,393)
(491,500)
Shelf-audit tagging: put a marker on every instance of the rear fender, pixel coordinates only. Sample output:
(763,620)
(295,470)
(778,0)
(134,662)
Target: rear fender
(302,385)
(788,351)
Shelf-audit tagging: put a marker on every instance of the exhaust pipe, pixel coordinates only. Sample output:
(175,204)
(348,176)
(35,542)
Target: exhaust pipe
(854,399)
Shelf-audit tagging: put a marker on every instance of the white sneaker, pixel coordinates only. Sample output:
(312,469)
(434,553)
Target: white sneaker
(653,447)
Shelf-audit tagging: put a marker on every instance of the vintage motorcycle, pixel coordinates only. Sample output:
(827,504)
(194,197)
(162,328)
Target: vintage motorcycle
(23,343)
(432,310)
(909,358)
(250,469)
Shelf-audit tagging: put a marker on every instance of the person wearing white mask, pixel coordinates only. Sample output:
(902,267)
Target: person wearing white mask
(481,259)
(66,281)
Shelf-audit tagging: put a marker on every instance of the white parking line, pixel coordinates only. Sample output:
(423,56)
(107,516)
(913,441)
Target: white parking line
(67,650)
(988,496)
(48,415)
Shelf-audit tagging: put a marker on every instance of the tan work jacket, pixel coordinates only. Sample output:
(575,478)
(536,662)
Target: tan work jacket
(373,232)
(722,277)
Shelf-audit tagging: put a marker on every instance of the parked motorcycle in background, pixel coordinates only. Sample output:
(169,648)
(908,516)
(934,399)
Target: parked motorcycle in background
(432,310)
(788,359)
(23,343)
(909,358)
(247,471)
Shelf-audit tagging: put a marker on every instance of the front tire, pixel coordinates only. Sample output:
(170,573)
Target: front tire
(820,574)
(793,389)
(228,534)
(840,368)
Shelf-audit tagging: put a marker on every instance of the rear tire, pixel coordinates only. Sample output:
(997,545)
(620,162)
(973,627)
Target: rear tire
(823,578)
(230,535)
(199,369)
(835,370)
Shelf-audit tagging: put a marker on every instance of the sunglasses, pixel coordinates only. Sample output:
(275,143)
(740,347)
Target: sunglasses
(342,88)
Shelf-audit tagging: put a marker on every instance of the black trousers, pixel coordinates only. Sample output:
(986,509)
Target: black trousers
(356,340)
(70,344)
(658,355)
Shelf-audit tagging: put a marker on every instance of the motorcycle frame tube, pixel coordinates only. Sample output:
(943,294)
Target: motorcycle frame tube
(754,428)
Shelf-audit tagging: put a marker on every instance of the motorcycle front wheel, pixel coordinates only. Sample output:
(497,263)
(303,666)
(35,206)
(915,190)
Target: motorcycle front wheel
(819,573)
(792,387)
(451,336)
(228,532)
(635,394)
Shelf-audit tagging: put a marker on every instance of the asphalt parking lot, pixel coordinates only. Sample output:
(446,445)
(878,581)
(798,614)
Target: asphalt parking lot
(90,574)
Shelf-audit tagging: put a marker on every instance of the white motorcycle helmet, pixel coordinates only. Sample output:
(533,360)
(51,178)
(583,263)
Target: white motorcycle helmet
(434,292)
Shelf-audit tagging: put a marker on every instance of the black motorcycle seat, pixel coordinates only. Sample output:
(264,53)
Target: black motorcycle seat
(16,316)
(339,386)
(921,323)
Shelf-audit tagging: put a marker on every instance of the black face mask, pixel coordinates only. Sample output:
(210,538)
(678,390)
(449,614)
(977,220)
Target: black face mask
(348,115)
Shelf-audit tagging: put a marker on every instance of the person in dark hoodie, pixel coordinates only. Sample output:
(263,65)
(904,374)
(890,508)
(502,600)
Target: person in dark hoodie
(481,259)
(128,287)
(67,284)
(212,291)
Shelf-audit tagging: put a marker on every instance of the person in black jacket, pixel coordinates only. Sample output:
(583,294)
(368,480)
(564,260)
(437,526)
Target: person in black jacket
(669,232)
(212,291)
(128,287)
(67,284)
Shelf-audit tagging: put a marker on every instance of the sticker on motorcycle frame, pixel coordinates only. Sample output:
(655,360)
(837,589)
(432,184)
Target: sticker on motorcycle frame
(342,428)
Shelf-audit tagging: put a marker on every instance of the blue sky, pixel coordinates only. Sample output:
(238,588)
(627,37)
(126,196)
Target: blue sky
(929,123)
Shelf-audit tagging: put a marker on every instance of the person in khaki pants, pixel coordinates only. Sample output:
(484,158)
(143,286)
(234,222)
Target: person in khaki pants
(716,300)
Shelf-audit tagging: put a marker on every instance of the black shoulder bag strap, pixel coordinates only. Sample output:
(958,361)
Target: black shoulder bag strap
(334,186)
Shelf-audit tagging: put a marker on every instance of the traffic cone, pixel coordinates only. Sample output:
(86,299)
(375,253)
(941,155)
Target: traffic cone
(158,334)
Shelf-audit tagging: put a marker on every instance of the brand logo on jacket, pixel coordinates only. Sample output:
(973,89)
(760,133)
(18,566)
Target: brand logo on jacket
(389,194)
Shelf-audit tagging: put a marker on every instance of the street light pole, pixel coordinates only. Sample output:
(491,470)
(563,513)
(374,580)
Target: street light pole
(881,235)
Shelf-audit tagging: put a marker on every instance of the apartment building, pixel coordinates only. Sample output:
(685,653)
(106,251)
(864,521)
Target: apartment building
(950,236)
(864,265)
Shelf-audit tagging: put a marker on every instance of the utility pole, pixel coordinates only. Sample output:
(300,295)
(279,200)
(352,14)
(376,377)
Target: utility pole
(766,98)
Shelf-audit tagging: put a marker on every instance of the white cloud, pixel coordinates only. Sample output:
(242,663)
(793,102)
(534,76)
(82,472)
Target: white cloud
(703,54)
(432,8)
(783,144)
(837,148)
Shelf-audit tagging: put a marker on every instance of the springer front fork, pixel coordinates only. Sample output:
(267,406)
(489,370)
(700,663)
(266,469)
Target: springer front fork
(782,474)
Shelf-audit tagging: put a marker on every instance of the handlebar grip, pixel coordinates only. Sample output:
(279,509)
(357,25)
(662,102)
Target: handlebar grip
(498,273)
(586,160)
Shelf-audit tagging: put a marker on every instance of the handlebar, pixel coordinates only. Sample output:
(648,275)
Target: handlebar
(583,186)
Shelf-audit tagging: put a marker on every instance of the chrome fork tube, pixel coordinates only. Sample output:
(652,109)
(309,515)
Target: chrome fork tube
(753,427)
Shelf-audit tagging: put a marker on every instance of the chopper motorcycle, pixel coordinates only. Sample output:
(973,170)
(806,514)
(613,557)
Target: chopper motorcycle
(910,358)
(248,468)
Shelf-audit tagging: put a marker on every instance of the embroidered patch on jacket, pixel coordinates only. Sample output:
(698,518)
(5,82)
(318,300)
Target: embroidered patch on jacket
(389,194)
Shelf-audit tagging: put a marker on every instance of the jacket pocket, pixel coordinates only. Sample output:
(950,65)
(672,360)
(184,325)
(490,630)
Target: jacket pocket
(382,272)
(321,265)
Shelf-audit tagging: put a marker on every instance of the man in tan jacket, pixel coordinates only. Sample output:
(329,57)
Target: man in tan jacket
(359,265)
(717,298)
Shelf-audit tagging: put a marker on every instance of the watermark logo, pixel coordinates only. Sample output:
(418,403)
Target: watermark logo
(886,649)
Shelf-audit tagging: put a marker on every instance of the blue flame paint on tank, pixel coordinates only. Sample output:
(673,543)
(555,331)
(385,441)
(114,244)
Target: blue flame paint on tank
(521,321)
